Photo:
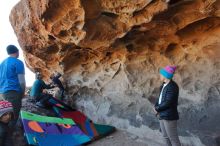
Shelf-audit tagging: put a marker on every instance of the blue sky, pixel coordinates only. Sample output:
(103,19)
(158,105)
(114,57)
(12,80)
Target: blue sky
(7,35)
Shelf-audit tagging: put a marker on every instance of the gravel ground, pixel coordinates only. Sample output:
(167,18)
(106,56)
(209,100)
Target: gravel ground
(118,138)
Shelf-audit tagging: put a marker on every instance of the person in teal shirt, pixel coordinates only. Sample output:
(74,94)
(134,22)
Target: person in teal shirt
(12,80)
(37,91)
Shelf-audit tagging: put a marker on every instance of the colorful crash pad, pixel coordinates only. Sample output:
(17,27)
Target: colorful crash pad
(95,131)
(58,103)
(51,131)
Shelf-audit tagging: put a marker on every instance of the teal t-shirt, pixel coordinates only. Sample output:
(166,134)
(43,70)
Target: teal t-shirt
(9,70)
(38,87)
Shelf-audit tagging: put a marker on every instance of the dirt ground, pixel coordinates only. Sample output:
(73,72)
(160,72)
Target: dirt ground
(118,138)
(122,138)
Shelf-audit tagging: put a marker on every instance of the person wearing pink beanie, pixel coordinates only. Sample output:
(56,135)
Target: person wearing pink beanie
(166,106)
(6,115)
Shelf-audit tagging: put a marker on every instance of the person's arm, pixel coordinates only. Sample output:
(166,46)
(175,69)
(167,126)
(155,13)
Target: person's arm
(47,86)
(58,75)
(22,82)
(171,94)
(21,73)
(50,86)
(157,99)
(156,103)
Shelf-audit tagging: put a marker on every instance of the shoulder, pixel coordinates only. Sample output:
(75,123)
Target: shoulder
(15,60)
(19,62)
(173,85)
(41,81)
(37,82)
(5,60)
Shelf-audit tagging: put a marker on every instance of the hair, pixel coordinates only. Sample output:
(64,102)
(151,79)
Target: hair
(11,49)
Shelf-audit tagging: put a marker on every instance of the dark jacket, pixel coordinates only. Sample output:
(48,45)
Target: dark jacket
(168,107)
(5,135)
(57,81)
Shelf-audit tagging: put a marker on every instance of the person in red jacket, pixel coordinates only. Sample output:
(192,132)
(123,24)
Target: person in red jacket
(166,106)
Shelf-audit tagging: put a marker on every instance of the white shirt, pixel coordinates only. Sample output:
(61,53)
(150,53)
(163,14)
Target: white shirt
(160,98)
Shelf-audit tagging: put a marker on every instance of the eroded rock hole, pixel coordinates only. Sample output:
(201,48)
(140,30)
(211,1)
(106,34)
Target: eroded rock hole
(51,37)
(130,47)
(112,15)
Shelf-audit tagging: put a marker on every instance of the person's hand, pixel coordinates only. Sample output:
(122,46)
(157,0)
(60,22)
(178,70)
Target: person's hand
(156,113)
(52,86)
(44,91)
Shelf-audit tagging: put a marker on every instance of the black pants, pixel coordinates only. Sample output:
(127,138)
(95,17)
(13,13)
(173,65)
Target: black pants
(44,98)
(62,93)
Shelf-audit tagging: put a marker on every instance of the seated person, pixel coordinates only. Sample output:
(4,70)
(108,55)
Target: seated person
(56,81)
(37,91)
(6,114)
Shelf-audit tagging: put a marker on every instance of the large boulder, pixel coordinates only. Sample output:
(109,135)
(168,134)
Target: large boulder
(110,51)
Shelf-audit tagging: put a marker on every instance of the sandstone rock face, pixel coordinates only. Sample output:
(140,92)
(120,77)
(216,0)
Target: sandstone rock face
(110,52)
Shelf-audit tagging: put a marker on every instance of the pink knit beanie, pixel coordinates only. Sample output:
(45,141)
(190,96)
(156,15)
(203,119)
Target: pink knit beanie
(5,107)
(168,71)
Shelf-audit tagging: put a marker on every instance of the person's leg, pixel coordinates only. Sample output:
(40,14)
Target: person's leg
(37,98)
(44,101)
(15,98)
(62,94)
(171,129)
(164,133)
